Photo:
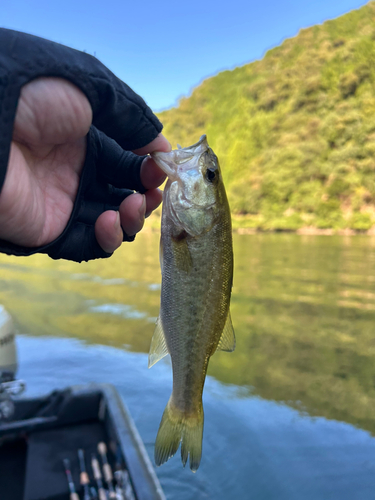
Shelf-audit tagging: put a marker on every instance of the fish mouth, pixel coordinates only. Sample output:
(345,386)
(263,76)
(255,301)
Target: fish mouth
(169,162)
(199,147)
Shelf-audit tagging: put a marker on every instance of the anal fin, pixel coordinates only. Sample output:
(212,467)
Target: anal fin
(158,348)
(227,340)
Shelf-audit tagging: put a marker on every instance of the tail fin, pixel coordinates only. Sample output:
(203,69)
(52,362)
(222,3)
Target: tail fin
(176,427)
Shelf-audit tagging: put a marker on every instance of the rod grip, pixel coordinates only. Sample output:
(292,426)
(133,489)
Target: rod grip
(107,473)
(96,468)
(102,495)
(84,478)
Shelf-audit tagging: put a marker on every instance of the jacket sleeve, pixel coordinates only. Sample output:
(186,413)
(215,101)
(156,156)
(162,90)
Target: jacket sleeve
(121,122)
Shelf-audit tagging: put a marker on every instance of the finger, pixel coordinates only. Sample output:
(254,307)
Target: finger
(151,175)
(160,143)
(132,213)
(153,199)
(108,231)
(118,167)
(126,169)
(78,244)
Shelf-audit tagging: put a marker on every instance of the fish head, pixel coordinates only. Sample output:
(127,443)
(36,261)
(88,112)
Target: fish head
(194,195)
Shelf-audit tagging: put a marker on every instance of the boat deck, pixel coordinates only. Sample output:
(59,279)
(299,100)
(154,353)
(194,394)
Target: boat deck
(45,431)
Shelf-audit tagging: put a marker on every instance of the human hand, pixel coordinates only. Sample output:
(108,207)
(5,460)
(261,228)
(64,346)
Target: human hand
(67,173)
(47,155)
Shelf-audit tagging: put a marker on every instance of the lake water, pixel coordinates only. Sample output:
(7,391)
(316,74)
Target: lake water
(290,414)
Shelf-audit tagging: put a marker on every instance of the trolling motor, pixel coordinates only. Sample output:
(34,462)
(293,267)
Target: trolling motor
(9,386)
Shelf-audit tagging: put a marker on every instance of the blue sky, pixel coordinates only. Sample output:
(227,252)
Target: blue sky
(164,49)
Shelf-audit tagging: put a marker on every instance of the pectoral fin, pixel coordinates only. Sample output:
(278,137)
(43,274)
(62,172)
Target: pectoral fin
(158,347)
(227,340)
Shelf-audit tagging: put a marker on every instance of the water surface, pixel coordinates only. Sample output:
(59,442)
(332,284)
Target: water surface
(288,415)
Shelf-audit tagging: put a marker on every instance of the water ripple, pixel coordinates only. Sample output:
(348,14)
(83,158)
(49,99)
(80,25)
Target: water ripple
(123,310)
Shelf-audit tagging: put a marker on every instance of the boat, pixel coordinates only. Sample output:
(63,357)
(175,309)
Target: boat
(75,443)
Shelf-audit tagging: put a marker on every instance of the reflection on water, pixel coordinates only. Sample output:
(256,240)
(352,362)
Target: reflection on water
(252,448)
(303,309)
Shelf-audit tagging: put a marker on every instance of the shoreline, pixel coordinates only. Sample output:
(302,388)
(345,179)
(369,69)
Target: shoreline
(303,231)
(308,230)
(152,225)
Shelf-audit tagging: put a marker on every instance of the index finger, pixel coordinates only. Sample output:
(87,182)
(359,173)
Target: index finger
(152,176)
(160,143)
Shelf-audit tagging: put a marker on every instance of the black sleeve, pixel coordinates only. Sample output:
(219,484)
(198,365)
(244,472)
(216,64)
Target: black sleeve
(121,122)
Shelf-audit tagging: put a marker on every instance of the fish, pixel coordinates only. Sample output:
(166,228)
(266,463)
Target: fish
(196,259)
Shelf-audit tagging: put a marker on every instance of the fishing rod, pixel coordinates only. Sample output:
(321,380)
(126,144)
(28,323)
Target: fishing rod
(98,477)
(118,483)
(73,494)
(84,477)
(107,471)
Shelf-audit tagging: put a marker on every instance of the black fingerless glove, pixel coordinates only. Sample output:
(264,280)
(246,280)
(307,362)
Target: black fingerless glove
(121,122)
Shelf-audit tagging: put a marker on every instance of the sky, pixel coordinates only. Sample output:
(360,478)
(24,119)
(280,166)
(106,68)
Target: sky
(163,49)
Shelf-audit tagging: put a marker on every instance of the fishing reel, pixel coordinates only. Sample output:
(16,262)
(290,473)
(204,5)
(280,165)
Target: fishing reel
(9,386)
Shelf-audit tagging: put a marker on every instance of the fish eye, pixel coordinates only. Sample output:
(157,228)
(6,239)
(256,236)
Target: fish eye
(210,174)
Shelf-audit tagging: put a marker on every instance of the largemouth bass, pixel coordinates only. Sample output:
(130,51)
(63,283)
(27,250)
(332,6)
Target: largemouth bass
(196,259)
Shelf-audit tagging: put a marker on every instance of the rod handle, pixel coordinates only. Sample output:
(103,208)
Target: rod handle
(84,478)
(102,495)
(107,471)
(96,468)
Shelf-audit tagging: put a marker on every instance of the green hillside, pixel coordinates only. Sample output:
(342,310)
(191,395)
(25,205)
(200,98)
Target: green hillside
(295,132)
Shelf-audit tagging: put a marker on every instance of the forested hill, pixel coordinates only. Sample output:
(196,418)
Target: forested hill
(295,132)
